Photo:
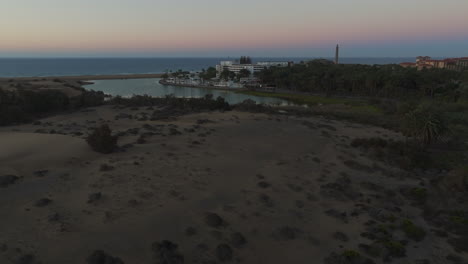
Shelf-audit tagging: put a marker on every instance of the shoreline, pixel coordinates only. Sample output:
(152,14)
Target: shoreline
(88,77)
(203,87)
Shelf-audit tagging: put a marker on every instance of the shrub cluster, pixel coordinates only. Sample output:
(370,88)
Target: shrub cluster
(407,155)
(412,231)
(206,103)
(26,105)
(102,140)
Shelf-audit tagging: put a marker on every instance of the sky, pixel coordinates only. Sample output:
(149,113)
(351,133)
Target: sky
(213,28)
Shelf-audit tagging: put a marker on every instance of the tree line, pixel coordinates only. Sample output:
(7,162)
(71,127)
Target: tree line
(388,81)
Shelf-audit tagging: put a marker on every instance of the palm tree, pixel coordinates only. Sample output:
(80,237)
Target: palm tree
(425,124)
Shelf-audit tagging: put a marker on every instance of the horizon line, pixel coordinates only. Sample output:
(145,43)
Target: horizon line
(215,57)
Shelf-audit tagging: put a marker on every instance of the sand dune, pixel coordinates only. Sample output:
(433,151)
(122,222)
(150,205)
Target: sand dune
(229,187)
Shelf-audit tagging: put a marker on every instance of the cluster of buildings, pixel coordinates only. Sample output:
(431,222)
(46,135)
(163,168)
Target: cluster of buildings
(193,80)
(426,62)
(236,67)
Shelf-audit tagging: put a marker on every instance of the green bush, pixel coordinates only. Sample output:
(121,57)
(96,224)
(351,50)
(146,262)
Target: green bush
(102,140)
(351,254)
(395,248)
(412,231)
(26,105)
(425,123)
(406,155)
(419,194)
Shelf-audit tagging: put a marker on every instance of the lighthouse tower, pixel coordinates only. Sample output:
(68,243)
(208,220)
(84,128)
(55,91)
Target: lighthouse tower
(337,54)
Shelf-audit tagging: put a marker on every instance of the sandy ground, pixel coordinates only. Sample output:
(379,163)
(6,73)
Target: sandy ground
(70,85)
(269,179)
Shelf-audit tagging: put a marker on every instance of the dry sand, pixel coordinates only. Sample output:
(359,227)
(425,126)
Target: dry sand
(269,178)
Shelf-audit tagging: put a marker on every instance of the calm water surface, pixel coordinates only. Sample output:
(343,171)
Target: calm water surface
(14,67)
(152,87)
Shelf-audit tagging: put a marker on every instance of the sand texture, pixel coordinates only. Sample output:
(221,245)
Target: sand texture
(230,187)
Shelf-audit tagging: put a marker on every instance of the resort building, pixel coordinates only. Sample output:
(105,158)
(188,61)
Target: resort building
(236,67)
(426,62)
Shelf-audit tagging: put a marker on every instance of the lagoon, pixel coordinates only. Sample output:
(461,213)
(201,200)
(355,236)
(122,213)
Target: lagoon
(152,87)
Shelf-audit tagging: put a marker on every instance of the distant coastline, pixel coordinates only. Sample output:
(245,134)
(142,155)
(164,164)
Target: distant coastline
(16,68)
(89,77)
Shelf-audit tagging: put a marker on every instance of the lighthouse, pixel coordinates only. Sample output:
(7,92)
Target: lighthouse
(337,54)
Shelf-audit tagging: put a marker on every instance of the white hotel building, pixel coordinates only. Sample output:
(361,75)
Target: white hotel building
(236,67)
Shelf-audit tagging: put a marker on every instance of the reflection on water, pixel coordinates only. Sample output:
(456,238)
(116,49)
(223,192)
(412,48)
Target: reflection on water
(152,87)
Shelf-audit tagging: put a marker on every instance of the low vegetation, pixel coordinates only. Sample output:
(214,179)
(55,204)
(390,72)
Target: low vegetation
(25,105)
(406,155)
(377,81)
(101,140)
(412,231)
(206,103)
(425,123)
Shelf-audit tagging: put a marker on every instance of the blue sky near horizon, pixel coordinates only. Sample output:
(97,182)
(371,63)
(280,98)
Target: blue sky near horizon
(209,28)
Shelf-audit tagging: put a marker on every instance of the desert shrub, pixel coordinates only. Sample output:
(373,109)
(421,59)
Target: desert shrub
(351,254)
(44,101)
(206,103)
(419,194)
(425,123)
(412,231)
(102,140)
(251,106)
(406,155)
(27,105)
(10,114)
(88,99)
(459,217)
(395,248)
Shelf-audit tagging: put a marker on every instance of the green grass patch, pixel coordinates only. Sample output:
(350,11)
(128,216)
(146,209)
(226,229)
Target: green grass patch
(355,107)
(309,99)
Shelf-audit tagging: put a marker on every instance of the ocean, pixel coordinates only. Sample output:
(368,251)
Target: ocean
(40,67)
